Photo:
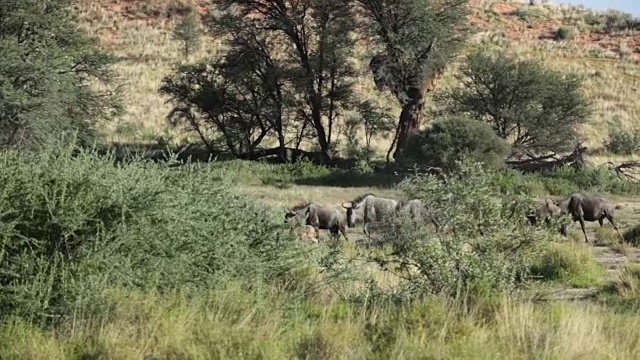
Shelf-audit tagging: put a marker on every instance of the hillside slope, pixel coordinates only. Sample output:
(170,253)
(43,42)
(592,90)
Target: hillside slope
(140,32)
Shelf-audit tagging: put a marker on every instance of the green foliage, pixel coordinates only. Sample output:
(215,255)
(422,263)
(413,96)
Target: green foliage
(564,181)
(417,39)
(569,263)
(411,58)
(73,225)
(535,108)
(613,20)
(564,33)
(482,242)
(623,142)
(448,140)
(290,65)
(374,120)
(528,13)
(188,32)
(47,65)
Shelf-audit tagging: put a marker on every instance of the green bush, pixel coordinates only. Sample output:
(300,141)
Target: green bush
(535,108)
(450,139)
(48,71)
(570,263)
(623,142)
(564,33)
(613,20)
(72,225)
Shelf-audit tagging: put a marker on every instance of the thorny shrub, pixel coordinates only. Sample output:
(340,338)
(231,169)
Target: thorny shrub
(483,241)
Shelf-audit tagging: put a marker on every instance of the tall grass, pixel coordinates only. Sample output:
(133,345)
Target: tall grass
(233,323)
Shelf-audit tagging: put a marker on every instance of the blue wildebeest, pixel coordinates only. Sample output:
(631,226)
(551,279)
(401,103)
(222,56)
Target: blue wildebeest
(591,208)
(416,209)
(367,208)
(547,209)
(320,216)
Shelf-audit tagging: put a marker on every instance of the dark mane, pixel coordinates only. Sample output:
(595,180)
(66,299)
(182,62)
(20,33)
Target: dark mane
(360,198)
(301,205)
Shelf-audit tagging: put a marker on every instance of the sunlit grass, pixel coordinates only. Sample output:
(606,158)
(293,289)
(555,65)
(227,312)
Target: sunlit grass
(227,323)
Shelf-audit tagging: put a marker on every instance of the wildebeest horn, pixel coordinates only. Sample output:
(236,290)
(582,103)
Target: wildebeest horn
(347,205)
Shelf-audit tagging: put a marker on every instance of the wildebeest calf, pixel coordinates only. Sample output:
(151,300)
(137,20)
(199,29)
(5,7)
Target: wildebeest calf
(548,209)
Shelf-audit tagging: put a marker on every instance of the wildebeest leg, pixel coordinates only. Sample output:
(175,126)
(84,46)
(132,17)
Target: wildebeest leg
(601,222)
(581,219)
(335,235)
(612,221)
(344,233)
(564,230)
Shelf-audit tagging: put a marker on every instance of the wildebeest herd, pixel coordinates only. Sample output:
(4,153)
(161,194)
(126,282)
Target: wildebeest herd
(369,208)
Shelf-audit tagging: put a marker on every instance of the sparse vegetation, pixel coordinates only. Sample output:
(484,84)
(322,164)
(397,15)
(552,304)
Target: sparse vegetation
(565,33)
(188,32)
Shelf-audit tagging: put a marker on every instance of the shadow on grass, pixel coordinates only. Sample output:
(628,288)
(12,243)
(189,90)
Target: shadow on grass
(632,236)
(347,178)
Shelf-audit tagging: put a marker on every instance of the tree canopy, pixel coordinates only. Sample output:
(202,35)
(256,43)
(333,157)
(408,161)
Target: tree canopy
(291,60)
(417,39)
(47,66)
(536,109)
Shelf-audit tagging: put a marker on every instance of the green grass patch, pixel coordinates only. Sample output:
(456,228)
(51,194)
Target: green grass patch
(569,263)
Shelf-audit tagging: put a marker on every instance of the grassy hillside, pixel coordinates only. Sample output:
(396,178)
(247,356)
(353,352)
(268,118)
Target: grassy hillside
(140,32)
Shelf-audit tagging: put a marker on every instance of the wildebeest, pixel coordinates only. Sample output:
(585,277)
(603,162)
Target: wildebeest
(548,209)
(320,216)
(416,208)
(367,208)
(591,208)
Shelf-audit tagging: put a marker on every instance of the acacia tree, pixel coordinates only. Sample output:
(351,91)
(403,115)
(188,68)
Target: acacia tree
(312,42)
(536,109)
(241,96)
(418,38)
(46,68)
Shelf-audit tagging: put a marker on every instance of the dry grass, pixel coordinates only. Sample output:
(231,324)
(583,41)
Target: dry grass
(228,324)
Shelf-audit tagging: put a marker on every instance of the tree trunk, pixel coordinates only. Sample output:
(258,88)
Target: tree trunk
(409,122)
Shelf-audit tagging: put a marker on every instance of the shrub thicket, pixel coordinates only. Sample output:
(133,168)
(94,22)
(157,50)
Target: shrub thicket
(73,226)
(623,142)
(482,242)
(48,67)
(570,263)
(449,140)
(564,33)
